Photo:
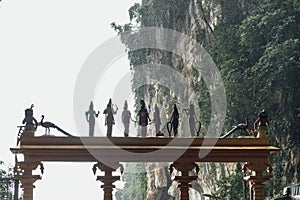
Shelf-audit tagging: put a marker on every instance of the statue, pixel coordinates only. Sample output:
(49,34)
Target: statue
(90,118)
(30,122)
(174,121)
(48,125)
(157,121)
(261,124)
(143,118)
(193,120)
(126,116)
(109,117)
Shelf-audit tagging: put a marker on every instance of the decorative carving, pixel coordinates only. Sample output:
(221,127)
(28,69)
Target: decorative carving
(25,168)
(20,133)
(108,179)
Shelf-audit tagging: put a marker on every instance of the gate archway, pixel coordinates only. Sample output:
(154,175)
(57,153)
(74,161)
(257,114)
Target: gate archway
(36,150)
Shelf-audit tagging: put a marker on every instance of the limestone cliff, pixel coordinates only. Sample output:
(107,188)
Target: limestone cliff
(197,19)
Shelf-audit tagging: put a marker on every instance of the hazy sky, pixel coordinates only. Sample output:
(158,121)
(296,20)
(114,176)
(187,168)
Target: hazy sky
(43,45)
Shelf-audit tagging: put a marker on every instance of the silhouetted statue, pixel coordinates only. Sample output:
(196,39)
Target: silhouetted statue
(175,120)
(156,120)
(29,121)
(192,120)
(48,125)
(261,124)
(109,117)
(90,118)
(143,118)
(126,116)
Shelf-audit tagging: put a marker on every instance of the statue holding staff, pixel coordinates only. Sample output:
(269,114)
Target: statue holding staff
(109,117)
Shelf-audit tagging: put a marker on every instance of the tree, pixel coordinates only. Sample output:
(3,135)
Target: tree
(231,187)
(255,45)
(135,182)
(258,56)
(7,183)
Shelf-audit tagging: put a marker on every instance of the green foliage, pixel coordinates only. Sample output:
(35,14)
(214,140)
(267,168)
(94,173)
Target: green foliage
(258,56)
(256,45)
(6,182)
(231,187)
(135,182)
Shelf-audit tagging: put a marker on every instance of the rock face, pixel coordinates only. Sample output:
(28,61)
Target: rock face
(158,181)
(196,19)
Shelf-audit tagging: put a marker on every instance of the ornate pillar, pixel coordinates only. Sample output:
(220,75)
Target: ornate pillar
(255,174)
(184,180)
(23,172)
(108,179)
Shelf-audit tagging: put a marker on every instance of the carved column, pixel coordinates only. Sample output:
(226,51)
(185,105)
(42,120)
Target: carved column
(258,172)
(108,179)
(184,180)
(23,172)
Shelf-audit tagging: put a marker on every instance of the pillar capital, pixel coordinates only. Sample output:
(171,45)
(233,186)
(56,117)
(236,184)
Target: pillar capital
(26,167)
(256,173)
(108,167)
(183,166)
(108,179)
(184,180)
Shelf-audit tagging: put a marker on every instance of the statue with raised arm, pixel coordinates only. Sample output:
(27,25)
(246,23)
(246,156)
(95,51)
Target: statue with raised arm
(109,117)
(90,118)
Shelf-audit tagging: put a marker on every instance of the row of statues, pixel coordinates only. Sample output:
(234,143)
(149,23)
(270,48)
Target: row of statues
(143,119)
(260,125)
